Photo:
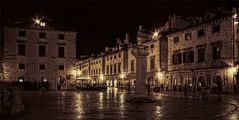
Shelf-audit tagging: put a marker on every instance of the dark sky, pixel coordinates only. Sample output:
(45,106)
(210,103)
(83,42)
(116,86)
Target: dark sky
(98,23)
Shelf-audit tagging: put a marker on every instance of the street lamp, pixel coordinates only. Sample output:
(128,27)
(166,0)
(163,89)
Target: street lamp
(122,76)
(155,35)
(159,75)
(232,71)
(39,22)
(101,78)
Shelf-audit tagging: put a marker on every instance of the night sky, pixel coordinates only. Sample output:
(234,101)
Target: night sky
(99,23)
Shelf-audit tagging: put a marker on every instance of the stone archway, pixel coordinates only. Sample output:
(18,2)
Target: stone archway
(61,81)
(176,84)
(201,82)
(188,81)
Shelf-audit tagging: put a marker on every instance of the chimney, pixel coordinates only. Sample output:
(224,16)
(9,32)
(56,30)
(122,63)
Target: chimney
(107,49)
(140,28)
(126,38)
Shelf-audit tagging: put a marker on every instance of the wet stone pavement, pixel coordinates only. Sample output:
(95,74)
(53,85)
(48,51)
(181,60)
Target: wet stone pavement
(111,105)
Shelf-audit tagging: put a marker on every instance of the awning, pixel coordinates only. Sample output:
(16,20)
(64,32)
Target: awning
(83,78)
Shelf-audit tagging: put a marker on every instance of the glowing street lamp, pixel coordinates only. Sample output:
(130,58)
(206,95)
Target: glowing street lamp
(232,71)
(37,21)
(159,75)
(101,78)
(155,34)
(122,75)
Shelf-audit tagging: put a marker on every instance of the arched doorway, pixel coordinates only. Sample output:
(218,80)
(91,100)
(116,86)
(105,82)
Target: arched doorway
(217,84)
(188,81)
(61,81)
(177,84)
(201,83)
(43,83)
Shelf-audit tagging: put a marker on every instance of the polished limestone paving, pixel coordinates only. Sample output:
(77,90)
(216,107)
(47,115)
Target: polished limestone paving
(111,105)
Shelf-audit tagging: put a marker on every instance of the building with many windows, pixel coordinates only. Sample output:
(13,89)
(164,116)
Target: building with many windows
(196,52)
(205,53)
(39,54)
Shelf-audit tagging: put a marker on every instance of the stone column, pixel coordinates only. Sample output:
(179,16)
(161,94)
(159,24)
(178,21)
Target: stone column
(140,53)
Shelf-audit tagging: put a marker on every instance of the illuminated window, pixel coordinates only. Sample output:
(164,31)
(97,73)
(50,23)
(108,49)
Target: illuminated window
(188,36)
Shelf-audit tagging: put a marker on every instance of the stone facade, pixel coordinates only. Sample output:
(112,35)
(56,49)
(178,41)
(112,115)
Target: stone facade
(34,54)
(97,69)
(202,55)
(196,52)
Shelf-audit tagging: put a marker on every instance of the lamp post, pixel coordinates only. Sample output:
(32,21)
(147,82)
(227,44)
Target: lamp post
(122,76)
(102,78)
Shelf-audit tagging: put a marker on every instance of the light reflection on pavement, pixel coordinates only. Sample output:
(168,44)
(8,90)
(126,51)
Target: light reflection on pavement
(111,104)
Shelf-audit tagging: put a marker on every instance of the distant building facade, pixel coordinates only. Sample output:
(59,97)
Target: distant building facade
(39,54)
(195,52)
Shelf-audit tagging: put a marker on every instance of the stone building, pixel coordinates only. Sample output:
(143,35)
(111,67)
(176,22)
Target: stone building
(39,54)
(83,71)
(204,53)
(116,62)
(97,70)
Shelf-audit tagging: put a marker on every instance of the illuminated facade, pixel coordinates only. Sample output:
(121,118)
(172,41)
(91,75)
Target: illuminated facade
(39,54)
(196,52)
(205,53)
(96,70)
